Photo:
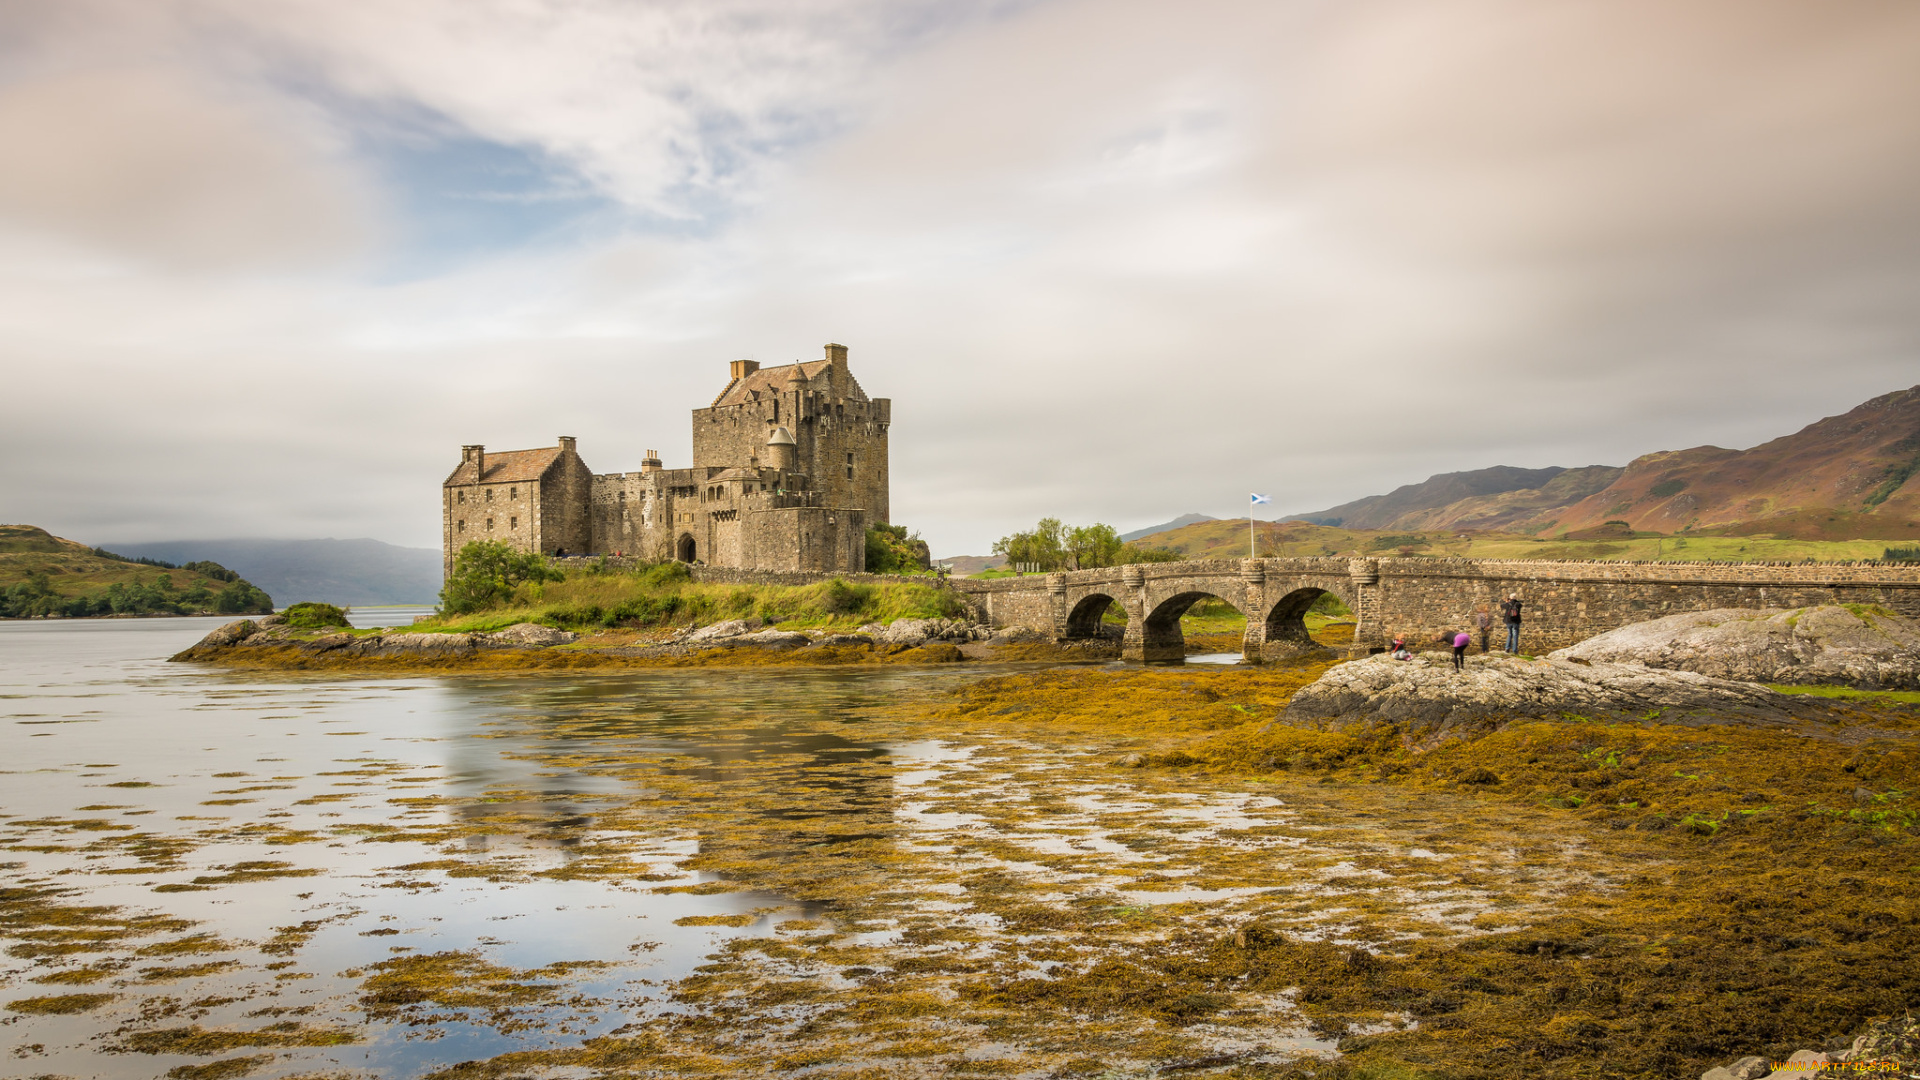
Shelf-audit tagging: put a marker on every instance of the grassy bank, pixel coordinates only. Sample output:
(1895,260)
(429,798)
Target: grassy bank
(665,595)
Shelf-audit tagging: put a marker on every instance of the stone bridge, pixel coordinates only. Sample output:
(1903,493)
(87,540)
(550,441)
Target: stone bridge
(1565,602)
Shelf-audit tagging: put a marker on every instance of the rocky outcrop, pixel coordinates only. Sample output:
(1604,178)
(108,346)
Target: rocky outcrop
(916,632)
(1432,702)
(1853,646)
(1889,1047)
(527,633)
(250,642)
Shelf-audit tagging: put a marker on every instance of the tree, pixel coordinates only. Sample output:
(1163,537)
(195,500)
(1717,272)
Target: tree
(1043,546)
(1090,547)
(486,572)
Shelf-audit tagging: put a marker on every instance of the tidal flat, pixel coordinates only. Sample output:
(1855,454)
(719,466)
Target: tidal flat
(891,871)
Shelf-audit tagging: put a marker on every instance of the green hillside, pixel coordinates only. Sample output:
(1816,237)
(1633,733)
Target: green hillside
(43,575)
(1228,540)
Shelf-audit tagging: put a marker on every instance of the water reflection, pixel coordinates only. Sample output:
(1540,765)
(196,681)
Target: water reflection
(479,796)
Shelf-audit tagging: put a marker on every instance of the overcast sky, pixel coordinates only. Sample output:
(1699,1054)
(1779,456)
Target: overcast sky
(266,264)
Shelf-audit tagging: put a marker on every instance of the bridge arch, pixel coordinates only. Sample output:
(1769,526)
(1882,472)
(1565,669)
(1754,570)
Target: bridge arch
(1088,616)
(1285,634)
(1161,639)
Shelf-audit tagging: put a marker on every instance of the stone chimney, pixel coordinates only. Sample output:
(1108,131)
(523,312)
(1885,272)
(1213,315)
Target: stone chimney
(837,356)
(740,369)
(651,463)
(566,444)
(478,455)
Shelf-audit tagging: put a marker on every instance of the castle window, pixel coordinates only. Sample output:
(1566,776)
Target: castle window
(513,523)
(513,493)
(849,472)
(489,524)
(463,526)
(489,494)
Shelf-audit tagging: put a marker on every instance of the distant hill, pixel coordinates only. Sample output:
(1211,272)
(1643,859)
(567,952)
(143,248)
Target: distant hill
(1850,477)
(1856,475)
(344,572)
(1183,519)
(42,574)
(1385,511)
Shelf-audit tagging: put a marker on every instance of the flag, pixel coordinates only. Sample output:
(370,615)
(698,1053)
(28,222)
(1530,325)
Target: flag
(1258,499)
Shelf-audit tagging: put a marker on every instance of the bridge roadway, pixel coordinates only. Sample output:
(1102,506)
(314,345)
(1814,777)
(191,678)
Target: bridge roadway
(1564,602)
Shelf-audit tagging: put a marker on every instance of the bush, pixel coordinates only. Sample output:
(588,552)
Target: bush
(486,572)
(315,616)
(893,550)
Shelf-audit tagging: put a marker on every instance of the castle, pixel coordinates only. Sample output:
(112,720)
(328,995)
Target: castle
(789,470)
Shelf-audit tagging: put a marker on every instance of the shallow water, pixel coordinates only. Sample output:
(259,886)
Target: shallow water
(238,768)
(430,870)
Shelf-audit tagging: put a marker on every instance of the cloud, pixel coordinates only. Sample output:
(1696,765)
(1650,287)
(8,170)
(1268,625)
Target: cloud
(1113,261)
(148,164)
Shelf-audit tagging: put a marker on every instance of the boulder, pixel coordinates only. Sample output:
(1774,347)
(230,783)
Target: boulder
(714,632)
(831,640)
(423,644)
(916,632)
(232,633)
(530,634)
(1861,647)
(772,639)
(1432,702)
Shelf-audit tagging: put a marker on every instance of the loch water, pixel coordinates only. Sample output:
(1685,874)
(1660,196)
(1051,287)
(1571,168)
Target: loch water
(109,754)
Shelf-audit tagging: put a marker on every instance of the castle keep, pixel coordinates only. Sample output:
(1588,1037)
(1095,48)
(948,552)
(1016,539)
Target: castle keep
(789,470)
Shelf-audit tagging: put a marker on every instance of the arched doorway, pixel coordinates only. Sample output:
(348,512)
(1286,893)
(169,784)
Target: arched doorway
(686,551)
(1162,639)
(1097,616)
(1306,622)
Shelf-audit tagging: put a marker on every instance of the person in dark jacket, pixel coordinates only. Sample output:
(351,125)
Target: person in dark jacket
(1510,614)
(1483,622)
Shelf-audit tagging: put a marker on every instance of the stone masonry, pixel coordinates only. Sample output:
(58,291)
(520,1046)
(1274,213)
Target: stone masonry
(789,470)
(1563,602)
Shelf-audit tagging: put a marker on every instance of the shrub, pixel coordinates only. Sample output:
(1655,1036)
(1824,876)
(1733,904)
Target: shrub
(486,572)
(314,616)
(891,549)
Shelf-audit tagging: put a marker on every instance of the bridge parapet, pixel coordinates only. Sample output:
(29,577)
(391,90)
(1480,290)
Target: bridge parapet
(1563,601)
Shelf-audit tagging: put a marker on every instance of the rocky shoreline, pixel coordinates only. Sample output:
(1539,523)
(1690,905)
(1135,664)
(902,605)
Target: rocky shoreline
(271,642)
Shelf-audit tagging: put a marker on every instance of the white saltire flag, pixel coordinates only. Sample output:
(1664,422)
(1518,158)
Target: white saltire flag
(1258,499)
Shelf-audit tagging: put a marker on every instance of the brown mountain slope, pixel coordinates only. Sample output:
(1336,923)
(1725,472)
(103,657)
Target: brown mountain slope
(1526,510)
(1442,490)
(1857,474)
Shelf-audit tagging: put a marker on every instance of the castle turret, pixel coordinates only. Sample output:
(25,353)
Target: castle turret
(782,452)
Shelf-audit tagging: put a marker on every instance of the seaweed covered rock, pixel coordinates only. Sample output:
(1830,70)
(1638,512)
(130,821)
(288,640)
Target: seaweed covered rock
(1862,647)
(1431,702)
(531,634)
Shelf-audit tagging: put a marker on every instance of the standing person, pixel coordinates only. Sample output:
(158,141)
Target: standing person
(1510,614)
(1483,620)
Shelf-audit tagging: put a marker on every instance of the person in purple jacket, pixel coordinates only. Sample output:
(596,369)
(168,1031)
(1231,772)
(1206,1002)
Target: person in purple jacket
(1459,640)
